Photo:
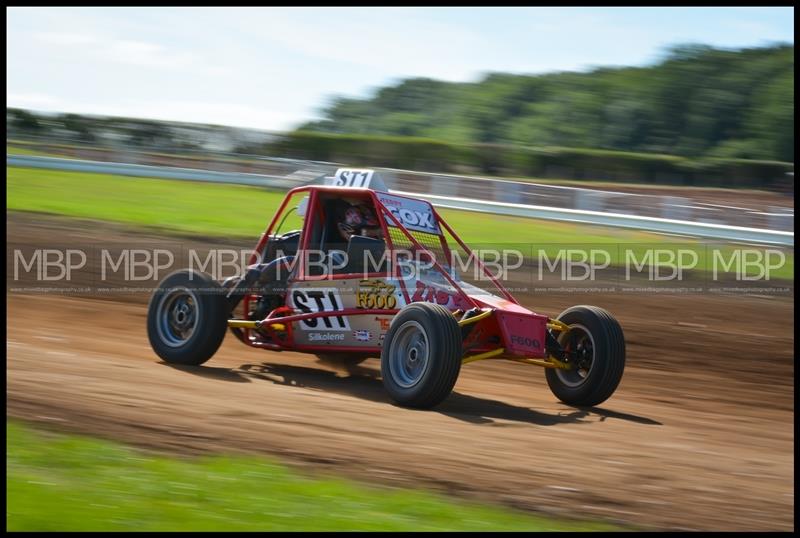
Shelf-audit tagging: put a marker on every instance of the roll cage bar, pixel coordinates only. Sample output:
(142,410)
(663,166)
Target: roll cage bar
(382,214)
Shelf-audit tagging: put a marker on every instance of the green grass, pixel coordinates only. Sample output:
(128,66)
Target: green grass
(244,212)
(222,210)
(58,482)
(241,211)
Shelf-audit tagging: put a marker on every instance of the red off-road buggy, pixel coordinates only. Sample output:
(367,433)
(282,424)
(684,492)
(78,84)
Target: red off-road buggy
(372,274)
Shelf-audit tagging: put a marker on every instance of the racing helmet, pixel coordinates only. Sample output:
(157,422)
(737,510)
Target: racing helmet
(359,219)
(368,216)
(353,216)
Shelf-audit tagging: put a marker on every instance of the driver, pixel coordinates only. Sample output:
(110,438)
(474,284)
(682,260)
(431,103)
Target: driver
(359,220)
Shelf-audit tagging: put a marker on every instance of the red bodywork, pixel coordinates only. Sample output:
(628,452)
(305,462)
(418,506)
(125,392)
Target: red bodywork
(513,327)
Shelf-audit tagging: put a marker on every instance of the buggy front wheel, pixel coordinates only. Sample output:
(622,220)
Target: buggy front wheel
(421,356)
(594,347)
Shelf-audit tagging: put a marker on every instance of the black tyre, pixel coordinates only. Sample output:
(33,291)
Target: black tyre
(596,346)
(421,356)
(187,318)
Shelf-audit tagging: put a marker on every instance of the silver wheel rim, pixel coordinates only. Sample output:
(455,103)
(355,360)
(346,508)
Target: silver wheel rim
(580,342)
(177,316)
(408,358)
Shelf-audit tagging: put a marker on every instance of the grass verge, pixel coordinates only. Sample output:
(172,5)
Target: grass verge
(74,483)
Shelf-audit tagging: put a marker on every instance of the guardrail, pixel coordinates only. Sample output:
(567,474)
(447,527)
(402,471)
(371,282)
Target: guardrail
(587,216)
(654,224)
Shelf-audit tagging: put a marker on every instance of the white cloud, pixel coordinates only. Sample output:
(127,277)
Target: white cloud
(65,39)
(153,55)
(751,30)
(130,52)
(402,46)
(32,100)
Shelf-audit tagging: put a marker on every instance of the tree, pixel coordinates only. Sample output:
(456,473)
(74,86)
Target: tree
(23,121)
(79,126)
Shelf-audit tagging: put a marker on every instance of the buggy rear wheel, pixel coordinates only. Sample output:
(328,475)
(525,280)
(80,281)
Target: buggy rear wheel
(187,318)
(595,347)
(421,356)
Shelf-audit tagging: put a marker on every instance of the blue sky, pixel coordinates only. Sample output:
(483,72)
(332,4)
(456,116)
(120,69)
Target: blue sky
(274,68)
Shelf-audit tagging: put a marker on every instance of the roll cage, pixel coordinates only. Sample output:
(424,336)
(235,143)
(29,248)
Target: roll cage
(386,219)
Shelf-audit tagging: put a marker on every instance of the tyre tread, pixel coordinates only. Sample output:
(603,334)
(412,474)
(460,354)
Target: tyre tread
(212,329)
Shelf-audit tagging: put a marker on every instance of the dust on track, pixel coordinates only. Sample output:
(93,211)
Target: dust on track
(699,434)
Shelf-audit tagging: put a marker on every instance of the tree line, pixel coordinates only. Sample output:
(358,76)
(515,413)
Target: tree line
(698,101)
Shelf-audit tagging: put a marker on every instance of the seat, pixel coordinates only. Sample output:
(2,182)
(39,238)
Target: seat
(365,254)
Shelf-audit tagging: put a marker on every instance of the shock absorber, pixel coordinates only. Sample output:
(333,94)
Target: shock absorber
(553,347)
(264,278)
(466,329)
(242,287)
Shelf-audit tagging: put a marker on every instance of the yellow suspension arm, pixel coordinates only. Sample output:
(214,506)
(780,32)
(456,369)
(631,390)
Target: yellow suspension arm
(247,324)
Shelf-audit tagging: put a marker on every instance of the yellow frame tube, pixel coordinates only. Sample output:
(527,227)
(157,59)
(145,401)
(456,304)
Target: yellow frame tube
(475,319)
(550,362)
(242,324)
(248,324)
(546,363)
(483,356)
(557,325)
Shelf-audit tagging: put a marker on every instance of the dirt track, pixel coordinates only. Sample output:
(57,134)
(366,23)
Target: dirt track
(698,436)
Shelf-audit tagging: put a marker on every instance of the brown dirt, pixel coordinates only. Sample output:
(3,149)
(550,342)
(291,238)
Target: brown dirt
(699,434)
